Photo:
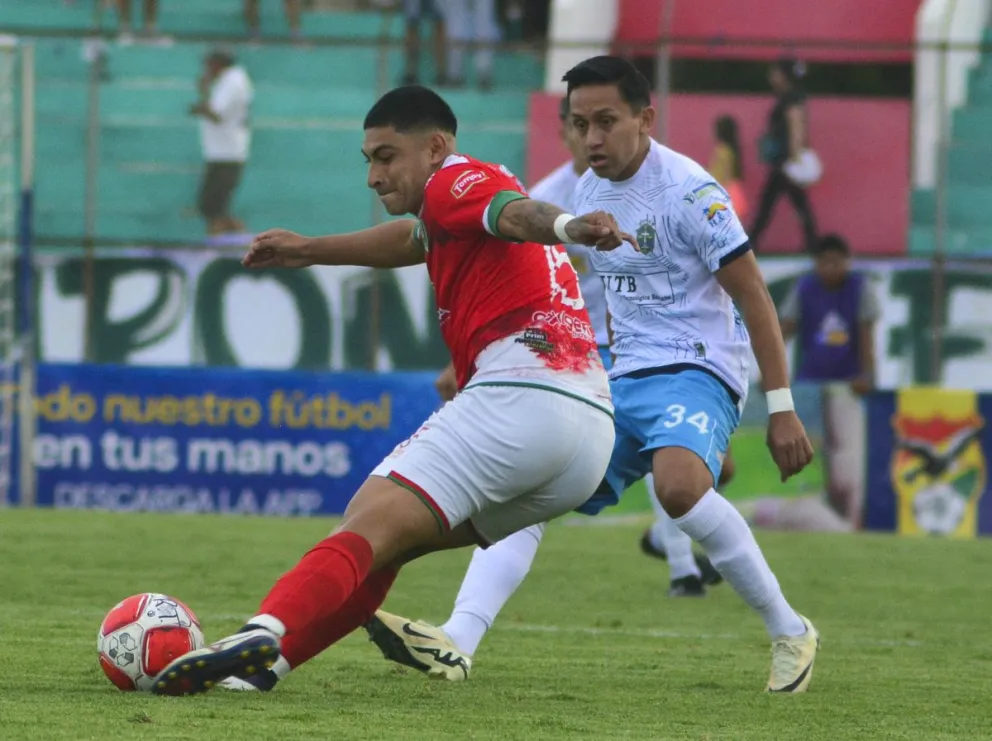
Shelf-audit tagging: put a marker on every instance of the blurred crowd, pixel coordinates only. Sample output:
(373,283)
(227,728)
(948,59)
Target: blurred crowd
(148,28)
(458,28)
(461,27)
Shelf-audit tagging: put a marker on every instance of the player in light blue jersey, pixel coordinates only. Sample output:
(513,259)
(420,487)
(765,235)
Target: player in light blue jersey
(689,572)
(681,349)
(682,306)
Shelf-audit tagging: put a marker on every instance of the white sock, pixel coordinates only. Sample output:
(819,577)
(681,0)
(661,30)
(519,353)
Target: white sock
(270,623)
(718,527)
(281,667)
(491,579)
(665,534)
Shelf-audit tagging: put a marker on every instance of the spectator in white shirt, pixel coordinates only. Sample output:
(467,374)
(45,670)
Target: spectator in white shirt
(225,100)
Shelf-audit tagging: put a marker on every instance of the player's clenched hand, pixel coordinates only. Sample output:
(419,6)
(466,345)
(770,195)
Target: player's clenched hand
(598,229)
(787,441)
(446,384)
(277,248)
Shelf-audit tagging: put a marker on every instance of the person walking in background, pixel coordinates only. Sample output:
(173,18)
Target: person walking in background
(471,23)
(294,11)
(225,99)
(785,143)
(725,162)
(416,12)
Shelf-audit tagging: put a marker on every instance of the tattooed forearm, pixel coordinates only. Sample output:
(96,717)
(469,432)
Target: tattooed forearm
(527,220)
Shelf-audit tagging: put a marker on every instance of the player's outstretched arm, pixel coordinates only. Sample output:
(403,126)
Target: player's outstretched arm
(787,441)
(527,220)
(394,244)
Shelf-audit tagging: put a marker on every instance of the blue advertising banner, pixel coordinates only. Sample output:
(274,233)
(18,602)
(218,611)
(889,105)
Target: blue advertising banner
(928,454)
(217,440)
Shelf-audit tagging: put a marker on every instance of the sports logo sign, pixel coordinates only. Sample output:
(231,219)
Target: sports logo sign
(938,468)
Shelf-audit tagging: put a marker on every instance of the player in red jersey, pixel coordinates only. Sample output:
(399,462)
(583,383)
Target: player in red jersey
(528,438)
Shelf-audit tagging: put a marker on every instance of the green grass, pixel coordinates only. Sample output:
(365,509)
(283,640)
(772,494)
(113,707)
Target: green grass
(756,474)
(588,649)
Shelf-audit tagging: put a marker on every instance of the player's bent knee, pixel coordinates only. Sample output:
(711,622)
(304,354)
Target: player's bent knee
(681,478)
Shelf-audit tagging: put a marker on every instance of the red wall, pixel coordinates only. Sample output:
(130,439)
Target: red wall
(860,24)
(864,145)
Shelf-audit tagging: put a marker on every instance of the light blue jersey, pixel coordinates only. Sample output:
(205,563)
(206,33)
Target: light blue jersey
(665,304)
(682,353)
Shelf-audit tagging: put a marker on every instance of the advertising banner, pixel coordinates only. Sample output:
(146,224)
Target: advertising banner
(160,308)
(928,453)
(216,440)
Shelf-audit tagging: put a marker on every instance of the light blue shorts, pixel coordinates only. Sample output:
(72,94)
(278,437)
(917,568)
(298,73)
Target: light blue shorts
(689,409)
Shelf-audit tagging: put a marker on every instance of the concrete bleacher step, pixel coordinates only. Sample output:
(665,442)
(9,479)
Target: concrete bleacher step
(48,14)
(966,205)
(355,67)
(970,163)
(923,206)
(358,32)
(61,103)
(310,102)
(195,17)
(60,59)
(972,124)
(178,221)
(957,242)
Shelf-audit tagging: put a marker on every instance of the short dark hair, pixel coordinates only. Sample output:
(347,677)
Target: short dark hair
(410,108)
(831,243)
(221,55)
(606,70)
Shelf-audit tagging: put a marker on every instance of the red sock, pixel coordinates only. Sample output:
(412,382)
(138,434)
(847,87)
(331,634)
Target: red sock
(302,645)
(321,582)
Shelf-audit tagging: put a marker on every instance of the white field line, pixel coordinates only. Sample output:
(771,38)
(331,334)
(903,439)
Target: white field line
(648,633)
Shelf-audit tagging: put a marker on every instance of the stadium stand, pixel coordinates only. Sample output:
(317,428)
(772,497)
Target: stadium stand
(305,170)
(969,193)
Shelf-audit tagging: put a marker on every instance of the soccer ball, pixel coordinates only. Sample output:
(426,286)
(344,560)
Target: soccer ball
(142,635)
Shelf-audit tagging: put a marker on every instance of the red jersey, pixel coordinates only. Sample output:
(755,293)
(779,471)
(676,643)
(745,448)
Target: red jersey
(489,287)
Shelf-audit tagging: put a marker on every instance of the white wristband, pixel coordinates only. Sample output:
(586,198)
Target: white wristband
(780,400)
(560,232)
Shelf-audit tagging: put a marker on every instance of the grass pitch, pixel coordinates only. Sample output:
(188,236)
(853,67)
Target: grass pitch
(589,648)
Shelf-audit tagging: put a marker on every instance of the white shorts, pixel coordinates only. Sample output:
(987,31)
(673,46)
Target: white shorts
(504,457)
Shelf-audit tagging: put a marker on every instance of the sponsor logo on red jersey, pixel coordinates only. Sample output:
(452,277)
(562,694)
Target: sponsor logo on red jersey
(464,182)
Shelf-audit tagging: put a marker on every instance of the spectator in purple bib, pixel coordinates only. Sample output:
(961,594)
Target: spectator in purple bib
(832,312)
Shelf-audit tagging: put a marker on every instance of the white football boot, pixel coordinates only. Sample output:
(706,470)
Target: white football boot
(792,660)
(419,645)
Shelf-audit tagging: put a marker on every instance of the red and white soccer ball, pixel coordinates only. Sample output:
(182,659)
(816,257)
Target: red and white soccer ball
(142,635)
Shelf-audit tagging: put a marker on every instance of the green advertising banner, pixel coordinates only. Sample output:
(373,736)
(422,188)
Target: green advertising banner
(202,308)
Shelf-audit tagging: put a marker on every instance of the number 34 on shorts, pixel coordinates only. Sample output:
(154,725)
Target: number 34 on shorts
(677,416)
(690,409)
